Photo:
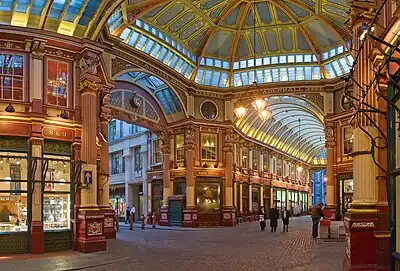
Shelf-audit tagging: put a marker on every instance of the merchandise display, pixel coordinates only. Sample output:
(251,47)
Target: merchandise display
(56,212)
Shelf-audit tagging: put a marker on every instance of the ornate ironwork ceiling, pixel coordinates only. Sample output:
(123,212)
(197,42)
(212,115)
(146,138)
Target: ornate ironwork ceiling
(282,129)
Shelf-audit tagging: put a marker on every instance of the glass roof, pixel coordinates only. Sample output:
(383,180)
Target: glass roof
(166,97)
(296,127)
(213,41)
(68,17)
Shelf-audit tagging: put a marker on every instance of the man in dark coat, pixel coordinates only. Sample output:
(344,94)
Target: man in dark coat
(273,218)
(316,215)
(285,219)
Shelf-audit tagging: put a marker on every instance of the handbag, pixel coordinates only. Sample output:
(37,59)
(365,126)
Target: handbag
(261,218)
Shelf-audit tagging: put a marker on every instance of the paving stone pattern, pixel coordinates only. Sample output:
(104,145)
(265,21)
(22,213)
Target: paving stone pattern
(243,247)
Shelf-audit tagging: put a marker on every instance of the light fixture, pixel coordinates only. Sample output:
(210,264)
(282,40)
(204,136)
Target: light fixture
(265,114)
(64,115)
(7,179)
(10,108)
(240,112)
(299,168)
(259,105)
(325,179)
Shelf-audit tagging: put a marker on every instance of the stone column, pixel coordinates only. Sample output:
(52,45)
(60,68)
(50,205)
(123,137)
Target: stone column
(145,183)
(240,198)
(330,157)
(228,210)
(166,150)
(104,176)
(190,212)
(250,198)
(128,177)
(367,237)
(36,231)
(91,218)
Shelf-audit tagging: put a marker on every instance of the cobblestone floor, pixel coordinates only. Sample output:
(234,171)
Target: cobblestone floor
(244,247)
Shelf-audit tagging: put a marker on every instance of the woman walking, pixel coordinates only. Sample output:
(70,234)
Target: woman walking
(273,218)
(262,217)
(285,219)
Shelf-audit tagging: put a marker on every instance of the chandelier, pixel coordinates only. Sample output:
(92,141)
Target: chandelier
(259,104)
(60,82)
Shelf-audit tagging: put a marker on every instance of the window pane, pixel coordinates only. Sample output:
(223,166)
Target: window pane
(207,78)
(209,147)
(57,83)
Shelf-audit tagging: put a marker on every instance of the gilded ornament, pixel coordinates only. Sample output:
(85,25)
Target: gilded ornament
(190,133)
(166,142)
(89,64)
(88,86)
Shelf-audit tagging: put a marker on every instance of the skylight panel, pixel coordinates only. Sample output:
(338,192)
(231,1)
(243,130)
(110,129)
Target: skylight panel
(57,8)
(267,61)
(215,78)
(283,74)
(210,62)
(125,34)
(162,54)
(307,58)
(236,65)
(207,77)
(299,59)
(259,62)
(251,77)
(149,46)
(274,60)
(202,61)
(316,73)
(225,65)
(245,78)
(291,74)
(37,6)
(275,75)
(189,72)
(267,75)
(282,59)
(218,63)
(344,65)
(174,61)
(236,79)
(73,10)
(340,49)
(243,64)
(325,56)
(224,80)
(22,6)
(337,68)
(250,63)
(179,65)
(308,73)
(330,71)
(168,57)
(260,76)
(132,41)
(156,50)
(299,73)
(184,68)
(199,76)
(332,52)
(291,59)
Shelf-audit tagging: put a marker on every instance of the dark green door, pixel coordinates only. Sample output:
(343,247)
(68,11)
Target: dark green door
(175,215)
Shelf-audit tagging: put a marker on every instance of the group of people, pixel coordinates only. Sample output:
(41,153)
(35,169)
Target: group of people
(273,218)
(316,215)
(130,217)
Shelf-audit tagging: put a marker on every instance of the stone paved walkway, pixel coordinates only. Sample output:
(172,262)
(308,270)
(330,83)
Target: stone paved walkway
(244,247)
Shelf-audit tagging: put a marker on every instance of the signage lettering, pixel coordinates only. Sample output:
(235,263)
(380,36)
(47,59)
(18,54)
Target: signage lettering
(57,133)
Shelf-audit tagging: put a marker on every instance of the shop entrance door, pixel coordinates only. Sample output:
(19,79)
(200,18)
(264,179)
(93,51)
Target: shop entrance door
(345,196)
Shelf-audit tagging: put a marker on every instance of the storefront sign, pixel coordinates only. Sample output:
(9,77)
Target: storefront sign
(57,133)
(344,169)
(213,173)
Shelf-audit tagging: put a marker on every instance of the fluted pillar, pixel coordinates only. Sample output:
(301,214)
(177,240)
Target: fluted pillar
(190,212)
(367,240)
(90,217)
(228,210)
(166,150)
(330,178)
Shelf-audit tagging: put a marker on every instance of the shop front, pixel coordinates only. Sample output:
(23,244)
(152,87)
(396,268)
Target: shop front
(255,198)
(345,196)
(245,199)
(293,201)
(20,175)
(209,201)
(267,199)
(118,201)
(157,190)
(304,204)
(279,198)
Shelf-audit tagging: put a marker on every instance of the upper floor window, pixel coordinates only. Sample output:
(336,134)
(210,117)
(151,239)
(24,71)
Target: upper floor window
(209,147)
(157,154)
(112,130)
(138,162)
(279,167)
(255,160)
(117,163)
(57,83)
(12,77)
(180,151)
(245,157)
(265,162)
(348,138)
(133,129)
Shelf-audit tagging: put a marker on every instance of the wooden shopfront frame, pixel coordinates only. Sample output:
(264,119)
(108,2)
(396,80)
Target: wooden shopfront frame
(210,218)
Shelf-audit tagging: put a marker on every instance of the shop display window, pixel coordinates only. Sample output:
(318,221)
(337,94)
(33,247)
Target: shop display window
(209,147)
(57,82)
(56,198)
(180,151)
(13,192)
(138,162)
(208,197)
(255,201)
(180,186)
(157,195)
(245,198)
(118,205)
(11,77)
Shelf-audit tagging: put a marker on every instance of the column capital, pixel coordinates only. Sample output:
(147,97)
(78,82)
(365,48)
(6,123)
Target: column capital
(166,142)
(190,137)
(360,12)
(38,141)
(90,84)
(38,48)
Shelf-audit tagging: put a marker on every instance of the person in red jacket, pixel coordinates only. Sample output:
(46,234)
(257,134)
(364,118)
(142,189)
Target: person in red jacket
(143,218)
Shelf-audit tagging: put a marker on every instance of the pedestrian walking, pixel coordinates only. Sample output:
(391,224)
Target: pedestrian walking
(154,220)
(262,217)
(273,218)
(127,214)
(285,220)
(133,211)
(316,215)
(143,219)
(131,218)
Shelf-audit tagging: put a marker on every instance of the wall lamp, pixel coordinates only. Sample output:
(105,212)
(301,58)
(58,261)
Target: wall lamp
(10,108)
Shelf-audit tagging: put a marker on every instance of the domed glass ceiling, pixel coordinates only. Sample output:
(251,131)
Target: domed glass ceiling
(212,41)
